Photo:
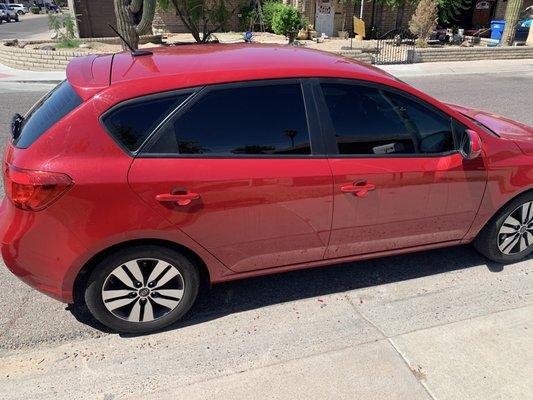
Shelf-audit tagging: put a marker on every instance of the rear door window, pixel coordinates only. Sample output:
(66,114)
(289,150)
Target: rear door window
(47,112)
(131,123)
(260,120)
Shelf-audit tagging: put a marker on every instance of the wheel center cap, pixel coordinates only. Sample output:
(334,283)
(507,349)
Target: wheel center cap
(144,292)
(523,229)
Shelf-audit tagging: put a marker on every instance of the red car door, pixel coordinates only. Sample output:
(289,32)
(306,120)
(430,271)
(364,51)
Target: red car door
(234,170)
(398,180)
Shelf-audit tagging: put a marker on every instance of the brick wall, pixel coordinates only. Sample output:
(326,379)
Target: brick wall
(472,53)
(36,60)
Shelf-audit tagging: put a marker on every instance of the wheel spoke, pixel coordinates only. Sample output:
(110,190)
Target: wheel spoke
(509,243)
(168,275)
(510,220)
(158,270)
(171,293)
(168,303)
(523,242)
(529,238)
(124,278)
(113,305)
(508,228)
(135,314)
(148,311)
(134,269)
(530,213)
(110,295)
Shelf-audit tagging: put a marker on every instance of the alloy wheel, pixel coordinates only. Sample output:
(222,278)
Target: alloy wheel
(143,290)
(516,232)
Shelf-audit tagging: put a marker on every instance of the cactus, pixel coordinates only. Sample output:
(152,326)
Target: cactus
(134,18)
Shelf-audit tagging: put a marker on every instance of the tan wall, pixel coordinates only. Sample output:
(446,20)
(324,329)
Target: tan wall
(385,18)
(94,17)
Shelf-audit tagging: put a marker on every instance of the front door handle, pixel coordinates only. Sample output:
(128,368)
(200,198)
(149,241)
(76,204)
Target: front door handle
(359,188)
(182,199)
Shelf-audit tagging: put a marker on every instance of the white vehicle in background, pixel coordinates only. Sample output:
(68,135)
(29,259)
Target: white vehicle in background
(20,9)
(7,14)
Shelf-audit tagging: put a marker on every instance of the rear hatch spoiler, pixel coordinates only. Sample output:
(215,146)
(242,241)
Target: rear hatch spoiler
(90,74)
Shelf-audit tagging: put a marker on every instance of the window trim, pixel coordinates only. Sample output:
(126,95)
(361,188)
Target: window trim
(137,100)
(328,130)
(315,135)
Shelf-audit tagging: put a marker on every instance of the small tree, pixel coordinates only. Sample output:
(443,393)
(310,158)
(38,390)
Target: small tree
(286,21)
(424,20)
(134,18)
(201,17)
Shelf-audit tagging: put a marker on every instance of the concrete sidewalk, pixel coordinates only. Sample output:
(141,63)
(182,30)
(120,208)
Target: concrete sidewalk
(462,334)
(460,68)
(12,75)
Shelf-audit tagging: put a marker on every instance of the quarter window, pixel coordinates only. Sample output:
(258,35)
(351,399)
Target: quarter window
(131,124)
(252,120)
(369,120)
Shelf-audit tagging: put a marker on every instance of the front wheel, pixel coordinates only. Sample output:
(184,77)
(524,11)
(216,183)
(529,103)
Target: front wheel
(508,236)
(142,289)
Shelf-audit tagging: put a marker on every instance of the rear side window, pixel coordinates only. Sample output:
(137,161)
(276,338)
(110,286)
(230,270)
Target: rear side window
(131,123)
(368,120)
(266,119)
(47,112)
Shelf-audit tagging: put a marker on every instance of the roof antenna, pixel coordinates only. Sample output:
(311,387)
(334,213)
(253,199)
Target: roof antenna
(134,53)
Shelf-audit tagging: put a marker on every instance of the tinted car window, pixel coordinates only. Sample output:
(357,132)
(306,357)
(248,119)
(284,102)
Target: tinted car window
(368,120)
(131,124)
(259,120)
(48,111)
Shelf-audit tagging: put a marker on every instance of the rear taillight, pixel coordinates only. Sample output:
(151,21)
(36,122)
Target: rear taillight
(34,190)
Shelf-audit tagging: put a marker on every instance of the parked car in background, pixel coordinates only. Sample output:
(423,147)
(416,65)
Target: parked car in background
(50,7)
(20,9)
(136,180)
(7,14)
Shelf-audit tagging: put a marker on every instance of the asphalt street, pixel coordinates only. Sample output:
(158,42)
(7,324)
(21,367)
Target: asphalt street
(29,27)
(384,307)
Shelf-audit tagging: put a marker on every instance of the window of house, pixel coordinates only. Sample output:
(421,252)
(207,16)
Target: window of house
(369,120)
(267,119)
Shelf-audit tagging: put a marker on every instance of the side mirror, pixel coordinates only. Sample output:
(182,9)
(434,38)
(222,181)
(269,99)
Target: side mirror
(471,145)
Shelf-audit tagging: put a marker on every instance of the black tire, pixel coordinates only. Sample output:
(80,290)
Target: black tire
(17,18)
(95,285)
(486,241)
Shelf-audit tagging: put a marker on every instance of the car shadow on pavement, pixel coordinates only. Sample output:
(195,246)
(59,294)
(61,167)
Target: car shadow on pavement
(253,293)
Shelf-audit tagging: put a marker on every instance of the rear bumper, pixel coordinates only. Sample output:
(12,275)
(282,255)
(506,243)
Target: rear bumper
(39,250)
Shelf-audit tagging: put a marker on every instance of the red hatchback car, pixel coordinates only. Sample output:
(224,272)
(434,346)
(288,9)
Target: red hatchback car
(139,177)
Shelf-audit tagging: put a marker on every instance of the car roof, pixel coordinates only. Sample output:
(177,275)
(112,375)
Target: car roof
(190,63)
(185,66)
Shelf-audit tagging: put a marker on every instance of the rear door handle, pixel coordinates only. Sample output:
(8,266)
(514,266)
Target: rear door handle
(183,199)
(359,188)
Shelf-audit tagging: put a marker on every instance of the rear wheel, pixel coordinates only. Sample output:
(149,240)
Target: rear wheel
(16,18)
(142,289)
(508,237)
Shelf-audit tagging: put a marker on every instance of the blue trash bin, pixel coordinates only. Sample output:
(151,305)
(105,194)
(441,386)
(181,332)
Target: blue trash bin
(496,29)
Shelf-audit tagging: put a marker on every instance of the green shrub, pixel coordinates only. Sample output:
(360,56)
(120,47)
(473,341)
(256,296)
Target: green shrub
(268,9)
(35,10)
(286,21)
